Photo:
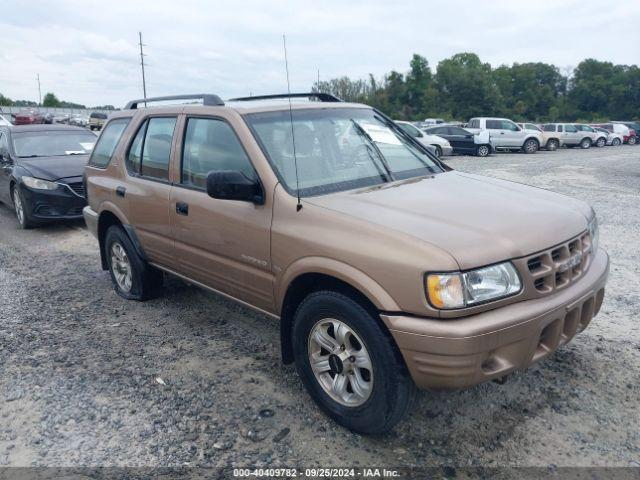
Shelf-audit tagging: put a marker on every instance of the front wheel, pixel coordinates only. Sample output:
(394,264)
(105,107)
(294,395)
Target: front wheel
(585,143)
(483,150)
(438,150)
(530,146)
(20,209)
(601,142)
(616,142)
(553,145)
(349,363)
(631,141)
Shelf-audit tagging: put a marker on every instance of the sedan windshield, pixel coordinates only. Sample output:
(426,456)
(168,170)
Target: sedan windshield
(337,149)
(50,143)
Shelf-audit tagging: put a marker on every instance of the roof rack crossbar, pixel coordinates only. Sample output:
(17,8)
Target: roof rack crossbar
(208,99)
(323,97)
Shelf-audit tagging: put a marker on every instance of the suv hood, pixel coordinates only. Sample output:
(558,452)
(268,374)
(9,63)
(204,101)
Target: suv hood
(478,220)
(54,168)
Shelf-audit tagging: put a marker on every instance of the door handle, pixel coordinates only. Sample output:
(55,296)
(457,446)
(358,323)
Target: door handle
(182,208)
(120,191)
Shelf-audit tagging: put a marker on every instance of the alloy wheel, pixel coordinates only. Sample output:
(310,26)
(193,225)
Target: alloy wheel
(121,267)
(601,141)
(531,146)
(340,362)
(483,151)
(17,203)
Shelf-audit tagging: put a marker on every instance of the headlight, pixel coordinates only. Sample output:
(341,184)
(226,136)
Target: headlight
(39,184)
(594,233)
(446,143)
(464,289)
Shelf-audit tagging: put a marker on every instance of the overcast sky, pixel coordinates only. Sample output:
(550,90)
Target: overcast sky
(87,52)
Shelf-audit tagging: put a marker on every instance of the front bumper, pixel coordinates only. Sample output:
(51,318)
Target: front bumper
(459,353)
(91,219)
(51,205)
(446,151)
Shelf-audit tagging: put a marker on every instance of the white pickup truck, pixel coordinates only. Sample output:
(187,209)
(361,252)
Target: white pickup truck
(506,135)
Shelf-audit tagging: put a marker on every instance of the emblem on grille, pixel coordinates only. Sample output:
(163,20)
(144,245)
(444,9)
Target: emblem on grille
(573,261)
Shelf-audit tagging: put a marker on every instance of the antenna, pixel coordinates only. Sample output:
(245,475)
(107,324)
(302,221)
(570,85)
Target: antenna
(293,137)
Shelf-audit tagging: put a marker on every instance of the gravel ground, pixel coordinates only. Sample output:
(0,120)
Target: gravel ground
(89,379)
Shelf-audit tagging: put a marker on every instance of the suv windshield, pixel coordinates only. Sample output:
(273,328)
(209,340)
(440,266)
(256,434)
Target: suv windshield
(337,149)
(53,143)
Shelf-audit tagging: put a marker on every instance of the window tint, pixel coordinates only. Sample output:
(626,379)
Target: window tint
(570,128)
(474,123)
(508,125)
(439,131)
(549,128)
(458,131)
(560,128)
(107,142)
(211,145)
(494,125)
(150,150)
(410,129)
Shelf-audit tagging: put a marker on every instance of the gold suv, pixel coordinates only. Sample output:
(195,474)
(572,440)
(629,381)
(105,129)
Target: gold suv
(387,269)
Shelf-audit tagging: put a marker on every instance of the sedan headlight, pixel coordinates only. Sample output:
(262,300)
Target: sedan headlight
(465,289)
(594,233)
(39,184)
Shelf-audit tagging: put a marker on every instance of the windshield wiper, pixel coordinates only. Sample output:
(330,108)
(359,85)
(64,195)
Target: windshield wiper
(367,137)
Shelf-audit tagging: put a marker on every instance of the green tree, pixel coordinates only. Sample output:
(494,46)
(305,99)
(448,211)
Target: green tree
(418,82)
(5,101)
(50,100)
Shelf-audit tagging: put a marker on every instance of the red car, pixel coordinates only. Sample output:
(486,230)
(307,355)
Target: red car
(28,117)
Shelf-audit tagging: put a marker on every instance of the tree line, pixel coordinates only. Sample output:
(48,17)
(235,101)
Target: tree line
(49,100)
(463,87)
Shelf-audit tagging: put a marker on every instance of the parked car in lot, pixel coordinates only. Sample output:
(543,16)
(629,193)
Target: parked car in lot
(41,170)
(632,126)
(613,139)
(597,138)
(627,135)
(464,142)
(387,269)
(96,120)
(427,122)
(550,140)
(506,135)
(47,118)
(441,145)
(61,118)
(78,120)
(28,117)
(570,136)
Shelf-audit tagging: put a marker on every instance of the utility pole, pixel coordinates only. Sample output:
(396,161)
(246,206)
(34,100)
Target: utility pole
(144,82)
(39,90)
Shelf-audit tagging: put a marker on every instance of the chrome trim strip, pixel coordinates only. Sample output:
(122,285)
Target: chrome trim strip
(225,295)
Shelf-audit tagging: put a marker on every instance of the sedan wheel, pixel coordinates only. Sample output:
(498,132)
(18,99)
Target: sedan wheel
(631,141)
(585,143)
(615,142)
(601,142)
(340,362)
(18,205)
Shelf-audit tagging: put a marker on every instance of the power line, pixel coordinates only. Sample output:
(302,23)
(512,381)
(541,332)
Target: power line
(144,82)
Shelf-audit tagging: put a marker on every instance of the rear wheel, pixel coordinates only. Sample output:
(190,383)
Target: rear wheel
(20,209)
(601,142)
(553,144)
(132,277)
(585,143)
(615,142)
(631,141)
(483,150)
(530,146)
(349,364)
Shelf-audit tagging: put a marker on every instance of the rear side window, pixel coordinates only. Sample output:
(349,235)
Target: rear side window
(549,128)
(211,145)
(150,151)
(494,125)
(103,151)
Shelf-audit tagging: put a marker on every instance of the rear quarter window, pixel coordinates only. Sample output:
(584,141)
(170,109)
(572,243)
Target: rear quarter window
(106,145)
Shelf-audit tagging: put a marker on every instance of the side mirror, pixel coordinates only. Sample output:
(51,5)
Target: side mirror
(234,185)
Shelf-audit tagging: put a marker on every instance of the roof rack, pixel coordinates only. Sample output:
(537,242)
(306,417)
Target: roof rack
(208,99)
(323,97)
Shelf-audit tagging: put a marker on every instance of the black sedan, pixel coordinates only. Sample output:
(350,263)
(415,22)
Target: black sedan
(41,169)
(462,141)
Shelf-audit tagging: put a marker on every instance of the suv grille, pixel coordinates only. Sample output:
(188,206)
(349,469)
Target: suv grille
(77,188)
(559,266)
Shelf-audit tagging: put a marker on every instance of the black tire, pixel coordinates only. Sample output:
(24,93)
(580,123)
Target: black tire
(601,142)
(145,279)
(632,141)
(553,145)
(483,150)
(24,220)
(585,143)
(393,391)
(438,151)
(616,142)
(531,145)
